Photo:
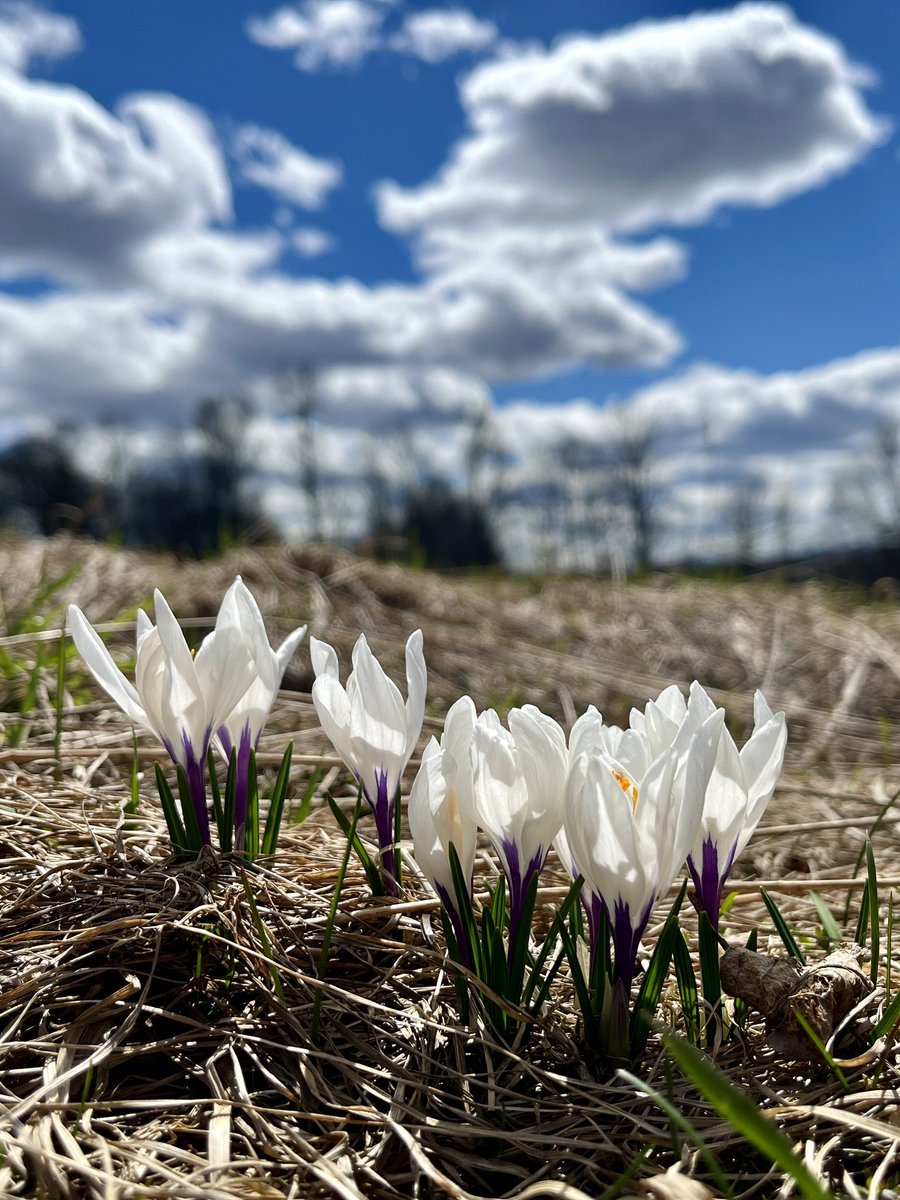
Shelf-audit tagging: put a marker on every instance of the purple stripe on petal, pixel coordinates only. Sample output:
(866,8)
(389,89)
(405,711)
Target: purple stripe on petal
(709,881)
(196,778)
(519,883)
(626,939)
(384,811)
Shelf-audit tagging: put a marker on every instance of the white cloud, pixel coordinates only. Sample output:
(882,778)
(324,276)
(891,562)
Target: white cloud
(83,192)
(441,33)
(664,122)
(312,242)
(269,160)
(336,34)
(27,33)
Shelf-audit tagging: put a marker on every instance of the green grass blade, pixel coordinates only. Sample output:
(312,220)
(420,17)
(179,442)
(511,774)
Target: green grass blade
(650,991)
(709,974)
(251,830)
(398,835)
(332,913)
(873,829)
(518,954)
(226,836)
(784,930)
(303,809)
(680,1121)
(830,927)
(562,915)
(743,1114)
(861,936)
(889,1019)
(276,804)
(827,1057)
(191,824)
(174,824)
(686,980)
(874,911)
(274,973)
(462,888)
(373,875)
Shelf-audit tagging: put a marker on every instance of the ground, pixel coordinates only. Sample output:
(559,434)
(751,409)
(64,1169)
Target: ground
(163,1027)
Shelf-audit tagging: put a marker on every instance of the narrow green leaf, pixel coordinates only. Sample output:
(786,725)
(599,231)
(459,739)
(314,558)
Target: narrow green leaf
(743,1114)
(830,927)
(274,973)
(889,950)
(827,1057)
(226,835)
(579,983)
(177,835)
(276,804)
(861,935)
(134,785)
(686,979)
(708,944)
(332,912)
(782,927)
(251,831)
(534,976)
(461,887)
(874,911)
(191,824)
(680,1121)
(373,875)
(302,811)
(518,953)
(654,977)
(889,1019)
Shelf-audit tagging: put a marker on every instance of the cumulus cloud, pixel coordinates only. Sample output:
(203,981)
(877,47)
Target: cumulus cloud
(661,123)
(311,242)
(84,191)
(269,160)
(441,33)
(335,34)
(27,33)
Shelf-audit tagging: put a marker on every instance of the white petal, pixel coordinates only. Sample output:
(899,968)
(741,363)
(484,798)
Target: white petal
(417,686)
(100,663)
(333,710)
(324,660)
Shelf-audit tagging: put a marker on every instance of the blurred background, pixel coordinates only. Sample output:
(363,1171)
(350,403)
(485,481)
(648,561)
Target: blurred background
(582,287)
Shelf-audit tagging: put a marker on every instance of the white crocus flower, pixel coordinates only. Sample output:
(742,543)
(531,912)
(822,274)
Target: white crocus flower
(518,789)
(371,727)
(630,821)
(243,726)
(179,697)
(440,813)
(739,789)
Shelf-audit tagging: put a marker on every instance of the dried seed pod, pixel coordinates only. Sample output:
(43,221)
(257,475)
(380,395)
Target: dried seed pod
(779,988)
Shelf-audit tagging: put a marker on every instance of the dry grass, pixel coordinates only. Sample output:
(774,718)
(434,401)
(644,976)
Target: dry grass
(156,1039)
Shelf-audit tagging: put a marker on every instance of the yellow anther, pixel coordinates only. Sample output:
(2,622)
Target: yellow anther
(628,787)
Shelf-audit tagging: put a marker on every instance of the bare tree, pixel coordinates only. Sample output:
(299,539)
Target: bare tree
(636,483)
(743,515)
(866,491)
(298,390)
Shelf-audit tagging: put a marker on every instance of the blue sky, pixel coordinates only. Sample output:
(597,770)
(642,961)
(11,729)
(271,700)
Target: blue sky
(530,209)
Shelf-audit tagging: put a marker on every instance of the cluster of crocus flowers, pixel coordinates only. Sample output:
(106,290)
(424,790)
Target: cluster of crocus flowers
(223,692)
(627,809)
